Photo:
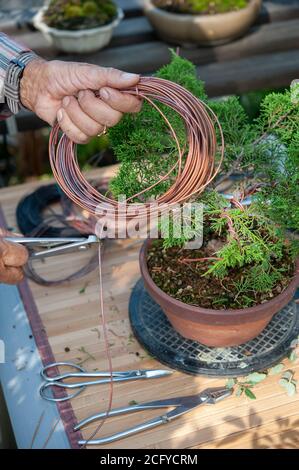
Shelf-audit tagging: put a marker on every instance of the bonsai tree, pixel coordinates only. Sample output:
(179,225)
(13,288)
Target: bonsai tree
(247,257)
(79,14)
(196,7)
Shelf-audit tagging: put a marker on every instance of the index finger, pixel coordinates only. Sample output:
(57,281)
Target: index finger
(95,77)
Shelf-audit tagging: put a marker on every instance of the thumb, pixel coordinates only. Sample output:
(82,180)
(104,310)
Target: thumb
(95,77)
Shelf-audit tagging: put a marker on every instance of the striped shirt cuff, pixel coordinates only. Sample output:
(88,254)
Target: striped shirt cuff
(9,50)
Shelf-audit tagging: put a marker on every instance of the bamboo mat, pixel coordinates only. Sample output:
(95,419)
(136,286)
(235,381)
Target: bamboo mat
(70,315)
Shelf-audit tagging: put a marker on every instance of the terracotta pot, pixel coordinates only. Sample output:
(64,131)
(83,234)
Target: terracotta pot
(218,328)
(208,30)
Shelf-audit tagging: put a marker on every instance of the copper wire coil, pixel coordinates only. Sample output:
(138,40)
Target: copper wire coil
(194,171)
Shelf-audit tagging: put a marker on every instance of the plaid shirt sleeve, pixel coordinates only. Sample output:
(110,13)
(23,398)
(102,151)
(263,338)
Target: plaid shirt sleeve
(9,49)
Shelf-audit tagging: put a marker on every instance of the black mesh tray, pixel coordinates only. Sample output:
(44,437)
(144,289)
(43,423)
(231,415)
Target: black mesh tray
(157,336)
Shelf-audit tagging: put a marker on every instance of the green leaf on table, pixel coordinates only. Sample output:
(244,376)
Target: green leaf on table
(239,392)
(230,383)
(83,289)
(283,382)
(293,356)
(255,377)
(250,394)
(288,374)
(276,369)
(295,342)
(291,389)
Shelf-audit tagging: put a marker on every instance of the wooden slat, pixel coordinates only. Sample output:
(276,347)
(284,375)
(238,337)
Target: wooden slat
(131,8)
(253,73)
(132,30)
(148,57)
(278,11)
(264,431)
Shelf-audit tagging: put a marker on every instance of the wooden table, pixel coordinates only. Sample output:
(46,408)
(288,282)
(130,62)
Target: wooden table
(266,57)
(71,321)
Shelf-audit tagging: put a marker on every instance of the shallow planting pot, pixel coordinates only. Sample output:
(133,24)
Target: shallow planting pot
(217,328)
(208,30)
(83,40)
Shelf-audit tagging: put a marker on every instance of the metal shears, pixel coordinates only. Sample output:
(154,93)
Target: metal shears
(81,373)
(181,405)
(53,246)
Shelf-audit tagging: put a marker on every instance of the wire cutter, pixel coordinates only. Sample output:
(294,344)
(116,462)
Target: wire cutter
(181,405)
(54,246)
(101,378)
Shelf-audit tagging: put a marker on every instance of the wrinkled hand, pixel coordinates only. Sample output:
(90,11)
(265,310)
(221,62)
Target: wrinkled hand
(64,91)
(12,258)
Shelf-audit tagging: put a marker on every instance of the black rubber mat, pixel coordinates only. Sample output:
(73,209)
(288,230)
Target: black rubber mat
(157,336)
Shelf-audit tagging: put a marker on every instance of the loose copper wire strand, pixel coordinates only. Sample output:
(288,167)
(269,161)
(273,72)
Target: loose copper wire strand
(194,172)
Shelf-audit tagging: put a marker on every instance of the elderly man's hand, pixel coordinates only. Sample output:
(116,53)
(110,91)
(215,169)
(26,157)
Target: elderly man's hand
(65,91)
(12,259)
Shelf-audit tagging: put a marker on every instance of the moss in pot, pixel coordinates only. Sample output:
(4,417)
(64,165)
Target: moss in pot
(200,7)
(79,14)
(227,291)
(78,25)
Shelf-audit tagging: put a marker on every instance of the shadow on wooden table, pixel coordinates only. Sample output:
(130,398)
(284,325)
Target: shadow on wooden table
(282,433)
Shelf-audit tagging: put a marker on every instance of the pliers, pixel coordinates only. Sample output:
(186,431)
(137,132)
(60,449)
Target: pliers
(181,405)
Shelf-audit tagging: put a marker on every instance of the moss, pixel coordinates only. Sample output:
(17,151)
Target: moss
(204,7)
(79,14)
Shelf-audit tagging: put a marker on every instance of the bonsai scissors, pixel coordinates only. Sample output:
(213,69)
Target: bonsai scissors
(81,373)
(181,405)
(54,246)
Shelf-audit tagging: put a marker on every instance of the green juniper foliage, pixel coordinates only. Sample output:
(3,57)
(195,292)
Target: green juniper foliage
(267,148)
(146,149)
(177,228)
(79,14)
(280,197)
(201,6)
(250,240)
(143,143)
